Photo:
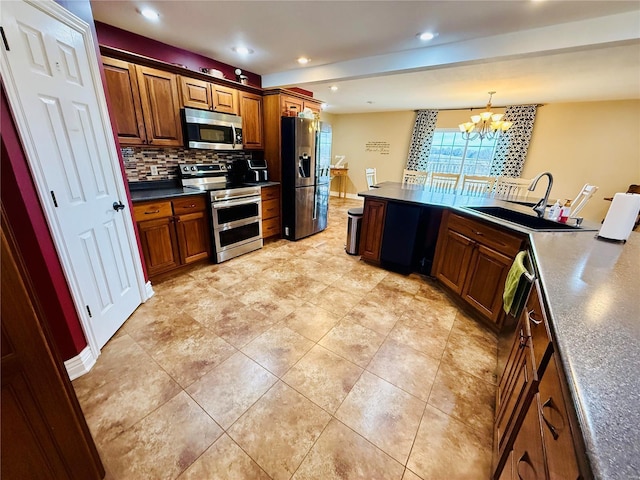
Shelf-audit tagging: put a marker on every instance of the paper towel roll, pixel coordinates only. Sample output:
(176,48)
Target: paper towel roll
(621,217)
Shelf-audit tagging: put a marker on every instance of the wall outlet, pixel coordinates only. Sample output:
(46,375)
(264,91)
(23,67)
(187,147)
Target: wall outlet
(154,170)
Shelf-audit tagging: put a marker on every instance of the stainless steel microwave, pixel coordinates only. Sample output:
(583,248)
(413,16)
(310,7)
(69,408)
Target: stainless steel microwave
(211,130)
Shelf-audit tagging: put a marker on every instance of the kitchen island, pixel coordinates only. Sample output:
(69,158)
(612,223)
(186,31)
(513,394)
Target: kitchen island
(592,298)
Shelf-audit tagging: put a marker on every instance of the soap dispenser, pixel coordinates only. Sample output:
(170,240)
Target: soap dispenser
(554,211)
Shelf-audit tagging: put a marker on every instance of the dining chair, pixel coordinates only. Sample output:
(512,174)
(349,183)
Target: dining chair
(477,185)
(414,177)
(510,187)
(444,182)
(583,197)
(371,177)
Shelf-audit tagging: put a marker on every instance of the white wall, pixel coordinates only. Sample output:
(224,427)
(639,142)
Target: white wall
(590,142)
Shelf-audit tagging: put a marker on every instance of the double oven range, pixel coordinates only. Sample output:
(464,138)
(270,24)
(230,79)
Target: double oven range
(235,209)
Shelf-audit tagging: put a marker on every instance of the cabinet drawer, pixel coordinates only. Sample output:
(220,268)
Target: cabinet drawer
(270,209)
(538,324)
(558,440)
(270,193)
(152,210)
(271,227)
(500,240)
(189,205)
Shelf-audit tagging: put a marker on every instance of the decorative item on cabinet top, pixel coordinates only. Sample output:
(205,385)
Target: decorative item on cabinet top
(212,71)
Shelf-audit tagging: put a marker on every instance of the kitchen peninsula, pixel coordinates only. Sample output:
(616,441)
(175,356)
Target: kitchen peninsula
(589,295)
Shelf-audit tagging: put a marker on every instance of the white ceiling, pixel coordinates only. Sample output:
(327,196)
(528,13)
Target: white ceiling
(527,51)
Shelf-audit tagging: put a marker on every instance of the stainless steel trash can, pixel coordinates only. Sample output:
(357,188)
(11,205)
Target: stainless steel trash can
(354,216)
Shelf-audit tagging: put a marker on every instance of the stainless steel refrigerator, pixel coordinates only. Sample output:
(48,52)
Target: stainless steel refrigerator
(306,167)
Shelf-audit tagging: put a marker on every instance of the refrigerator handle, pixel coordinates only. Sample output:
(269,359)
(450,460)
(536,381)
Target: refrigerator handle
(315,203)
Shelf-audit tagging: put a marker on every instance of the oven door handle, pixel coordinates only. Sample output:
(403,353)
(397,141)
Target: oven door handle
(234,202)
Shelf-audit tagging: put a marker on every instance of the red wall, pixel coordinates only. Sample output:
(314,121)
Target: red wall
(132,42)
(25,215)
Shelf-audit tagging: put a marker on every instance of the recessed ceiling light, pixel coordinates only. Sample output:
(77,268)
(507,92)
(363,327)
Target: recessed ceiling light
(369,102)
(426,36)
(242,50)
(303,60)
(149,14)
(333,88)
(323,106)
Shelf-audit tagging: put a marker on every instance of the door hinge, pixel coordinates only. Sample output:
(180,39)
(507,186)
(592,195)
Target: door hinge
(89,311)
(4,40)
(53,197)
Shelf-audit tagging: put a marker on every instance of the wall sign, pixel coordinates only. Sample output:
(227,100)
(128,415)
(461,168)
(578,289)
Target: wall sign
(381,148)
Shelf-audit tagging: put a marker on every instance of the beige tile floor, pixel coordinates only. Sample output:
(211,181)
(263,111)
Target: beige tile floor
(296,361)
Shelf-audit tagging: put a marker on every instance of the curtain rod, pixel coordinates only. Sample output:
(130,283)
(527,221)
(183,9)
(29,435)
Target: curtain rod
(478,108)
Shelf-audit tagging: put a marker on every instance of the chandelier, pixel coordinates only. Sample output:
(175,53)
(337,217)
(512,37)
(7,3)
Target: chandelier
(486,125)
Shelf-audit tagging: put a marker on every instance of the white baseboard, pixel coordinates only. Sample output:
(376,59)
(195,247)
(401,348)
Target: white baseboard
(148,292)
(80,364)
(353,196)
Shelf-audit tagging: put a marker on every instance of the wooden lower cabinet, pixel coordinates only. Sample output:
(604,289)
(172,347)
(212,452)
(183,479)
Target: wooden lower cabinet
(487,274)
(472,259)
(528,461)
(159,245)
(534,431)
(173,233)
(562,461)
(270,211)
(372,229)
(454,261)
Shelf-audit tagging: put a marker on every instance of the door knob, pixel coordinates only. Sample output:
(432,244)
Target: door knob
(118,206)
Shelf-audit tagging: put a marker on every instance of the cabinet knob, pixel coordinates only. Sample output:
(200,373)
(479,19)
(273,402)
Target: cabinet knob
(151,213)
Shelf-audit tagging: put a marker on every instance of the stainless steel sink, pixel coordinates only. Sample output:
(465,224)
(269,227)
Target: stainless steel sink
(525,220)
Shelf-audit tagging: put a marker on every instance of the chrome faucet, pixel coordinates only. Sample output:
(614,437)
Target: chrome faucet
(541,206)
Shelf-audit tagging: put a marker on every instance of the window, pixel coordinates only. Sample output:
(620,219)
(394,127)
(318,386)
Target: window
(450,153)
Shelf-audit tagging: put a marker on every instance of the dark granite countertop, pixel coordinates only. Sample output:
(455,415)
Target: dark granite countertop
(592,292)
(148,194)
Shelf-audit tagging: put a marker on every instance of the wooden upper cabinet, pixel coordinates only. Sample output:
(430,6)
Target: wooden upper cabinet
(225,99)
(208,96)
(372,229)
(313,106)
(122,86)
(160,106)
(291,104)
(195,93)
(252,123)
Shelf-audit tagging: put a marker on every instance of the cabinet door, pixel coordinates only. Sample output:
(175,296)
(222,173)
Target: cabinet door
(515,389)
(485,281)
(291,104)
(193,237)
(195,93)
(528,453)
(225,99)
(160,106)
(313,106)
(372,229)
(159,245)
(124,97)
(453,262)
(251,112)
(558,441)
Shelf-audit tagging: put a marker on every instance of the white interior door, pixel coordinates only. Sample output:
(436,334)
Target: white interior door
(52,78)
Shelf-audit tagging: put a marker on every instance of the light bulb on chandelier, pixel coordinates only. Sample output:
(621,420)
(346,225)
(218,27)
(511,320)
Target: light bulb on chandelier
(486,125)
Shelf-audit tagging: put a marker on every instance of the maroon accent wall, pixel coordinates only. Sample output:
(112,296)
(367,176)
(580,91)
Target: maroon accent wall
(302,91)
(132,42)
(27,219)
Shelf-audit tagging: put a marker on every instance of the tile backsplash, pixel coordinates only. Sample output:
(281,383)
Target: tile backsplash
(139,160)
